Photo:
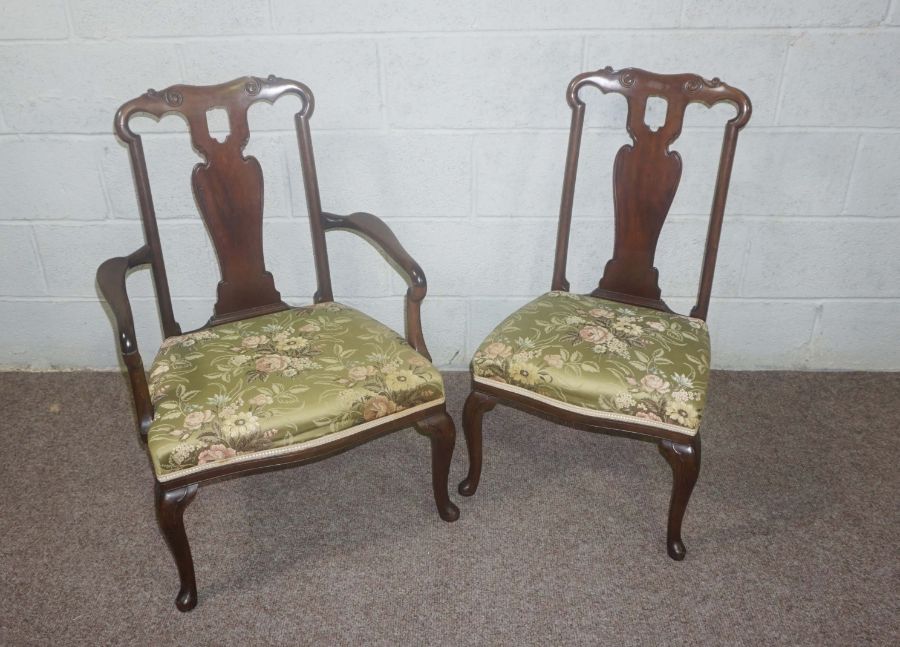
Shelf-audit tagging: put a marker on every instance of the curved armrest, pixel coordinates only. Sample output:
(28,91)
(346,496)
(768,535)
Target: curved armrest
(111,277)
(374,229)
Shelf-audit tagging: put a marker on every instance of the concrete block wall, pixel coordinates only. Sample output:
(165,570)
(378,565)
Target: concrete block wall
(448,119)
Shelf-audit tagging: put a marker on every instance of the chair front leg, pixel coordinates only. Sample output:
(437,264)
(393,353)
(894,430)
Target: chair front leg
(170,506)
(440,429)
(477,404)
(684,458)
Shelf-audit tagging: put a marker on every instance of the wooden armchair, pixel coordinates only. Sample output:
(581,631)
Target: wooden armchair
(263,384)
(618,360)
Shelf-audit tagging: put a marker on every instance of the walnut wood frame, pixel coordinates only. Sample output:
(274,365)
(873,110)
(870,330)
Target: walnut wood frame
(228,190)
(645,179)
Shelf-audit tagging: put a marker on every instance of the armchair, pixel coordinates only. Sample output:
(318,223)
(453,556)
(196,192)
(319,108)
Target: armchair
(263,384)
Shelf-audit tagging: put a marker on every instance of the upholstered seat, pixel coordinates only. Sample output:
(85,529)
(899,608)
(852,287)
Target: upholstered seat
(601,358)
(279,383)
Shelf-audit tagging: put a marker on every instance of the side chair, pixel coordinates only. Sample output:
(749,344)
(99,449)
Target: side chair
(618,360)
(262,384)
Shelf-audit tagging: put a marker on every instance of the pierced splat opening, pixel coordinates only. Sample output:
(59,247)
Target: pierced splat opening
(655,111)
(217,124)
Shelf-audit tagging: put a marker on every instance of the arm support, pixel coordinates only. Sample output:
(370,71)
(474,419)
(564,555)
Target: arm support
(382,238)
(111,280)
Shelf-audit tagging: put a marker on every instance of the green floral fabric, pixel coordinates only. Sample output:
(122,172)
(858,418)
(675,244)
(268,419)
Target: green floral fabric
(602,358)
(272,383)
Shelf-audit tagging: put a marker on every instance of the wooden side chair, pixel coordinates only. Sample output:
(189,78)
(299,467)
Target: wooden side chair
(263,384)
(618,360)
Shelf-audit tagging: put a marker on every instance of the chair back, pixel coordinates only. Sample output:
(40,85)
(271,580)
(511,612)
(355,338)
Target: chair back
(646,174)
(228,189)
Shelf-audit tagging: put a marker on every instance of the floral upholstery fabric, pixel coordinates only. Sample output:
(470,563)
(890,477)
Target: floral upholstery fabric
(278,383)
(602,358)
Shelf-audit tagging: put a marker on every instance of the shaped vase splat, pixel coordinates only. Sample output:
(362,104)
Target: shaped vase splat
(229,194)
(642,202)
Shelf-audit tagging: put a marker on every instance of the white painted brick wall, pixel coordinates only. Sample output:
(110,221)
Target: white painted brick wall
(404,174)
(449,120)
(875,184)
(477,81)
(41,19)
(778,13)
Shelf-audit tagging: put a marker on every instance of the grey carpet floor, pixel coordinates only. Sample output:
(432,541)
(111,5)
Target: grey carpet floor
(792,532)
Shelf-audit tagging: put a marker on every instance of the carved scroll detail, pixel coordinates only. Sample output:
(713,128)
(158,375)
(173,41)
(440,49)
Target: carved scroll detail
(694,84)
(171,97)
(253,86)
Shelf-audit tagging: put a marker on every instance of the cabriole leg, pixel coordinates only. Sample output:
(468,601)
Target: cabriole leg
(684,458)
(477,404)
(170,506)
(439,428)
